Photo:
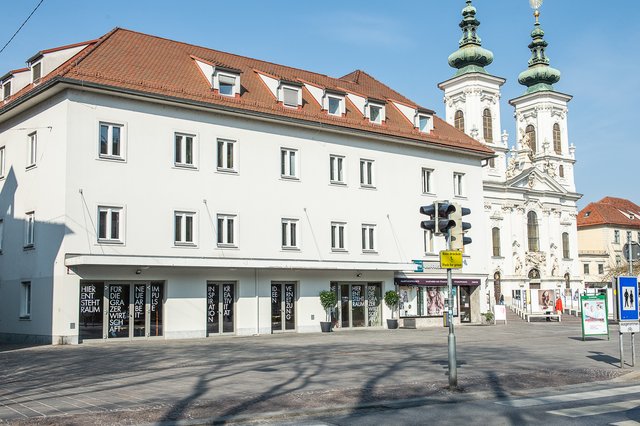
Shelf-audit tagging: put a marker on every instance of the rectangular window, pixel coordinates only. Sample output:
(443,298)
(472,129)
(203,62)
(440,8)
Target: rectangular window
(334,105)
(290,97)
(184,150)
(226,84)
(111,141)
(226,155)
(458,180)
(338,236)
(2,155)
(426,181)
(375,114)
(109,224)
(36,72)
(336,169)
(616,237)
(368,238)
(289,163)
(25,300)
(428,241)
(366,173)
(586,268)
(29,229)
(6,90)
(289,233)
(32,149)
(184,228)
(423,123)
(600,268)
(226,230)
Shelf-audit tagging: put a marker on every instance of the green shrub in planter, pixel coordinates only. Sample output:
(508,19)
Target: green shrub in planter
(391,299)
(488,317)
(328,300)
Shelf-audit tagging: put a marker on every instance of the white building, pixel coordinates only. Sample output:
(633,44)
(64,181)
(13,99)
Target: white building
(529,190)
(154,189)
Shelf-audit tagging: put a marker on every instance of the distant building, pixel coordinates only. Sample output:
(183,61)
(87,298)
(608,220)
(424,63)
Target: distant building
(604,227)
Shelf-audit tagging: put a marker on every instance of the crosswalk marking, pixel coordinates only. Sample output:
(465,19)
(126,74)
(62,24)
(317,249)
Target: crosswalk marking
(594,410)
(626,423)
(530,402)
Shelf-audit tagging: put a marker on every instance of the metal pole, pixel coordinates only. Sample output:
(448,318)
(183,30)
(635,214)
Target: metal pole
(453,366)
(629,253)
(621,351)
(633,349)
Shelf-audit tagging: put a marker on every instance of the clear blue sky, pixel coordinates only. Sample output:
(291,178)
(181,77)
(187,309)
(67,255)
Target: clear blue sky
(405,44)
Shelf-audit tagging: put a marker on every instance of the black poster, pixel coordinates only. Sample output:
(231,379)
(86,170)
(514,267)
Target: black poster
(289,306)
(91,310)
(155,302)
(118,310)
(227,308)
(213,317)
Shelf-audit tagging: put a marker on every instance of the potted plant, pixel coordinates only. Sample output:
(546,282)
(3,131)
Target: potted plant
(328,300)
(391,299)
(487,318)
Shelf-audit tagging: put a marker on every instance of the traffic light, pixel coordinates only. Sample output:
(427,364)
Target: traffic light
(440,222)
(458,240)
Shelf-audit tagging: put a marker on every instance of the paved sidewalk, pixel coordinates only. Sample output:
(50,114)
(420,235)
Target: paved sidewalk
(244,377)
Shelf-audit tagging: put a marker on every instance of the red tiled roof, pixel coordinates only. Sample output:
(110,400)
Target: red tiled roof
(610,211)
(152,65)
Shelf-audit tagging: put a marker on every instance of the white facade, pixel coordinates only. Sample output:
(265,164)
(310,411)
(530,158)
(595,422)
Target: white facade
(72,182)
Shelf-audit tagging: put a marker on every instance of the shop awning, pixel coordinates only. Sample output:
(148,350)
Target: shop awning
(437,281)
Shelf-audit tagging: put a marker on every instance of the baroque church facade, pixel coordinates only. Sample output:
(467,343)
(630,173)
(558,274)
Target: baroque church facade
(529,188)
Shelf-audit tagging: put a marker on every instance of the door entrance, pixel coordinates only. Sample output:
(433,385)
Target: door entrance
(283,306)
(220,307)
(465,304)
(120,310)
(359,304)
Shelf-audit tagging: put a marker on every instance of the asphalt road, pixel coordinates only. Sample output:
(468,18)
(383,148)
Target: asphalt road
(278,377)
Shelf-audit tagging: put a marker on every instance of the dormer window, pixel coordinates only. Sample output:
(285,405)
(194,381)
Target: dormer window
(334,103)
(6,90)
(36,72)
(423,123)
(226,82)
(375,112)
(290,95)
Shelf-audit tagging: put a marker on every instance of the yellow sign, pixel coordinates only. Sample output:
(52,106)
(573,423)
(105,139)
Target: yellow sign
(451,259)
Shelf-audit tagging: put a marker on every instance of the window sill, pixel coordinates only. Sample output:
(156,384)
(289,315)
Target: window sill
(429,194)
(25,318)
(184,245)
(498,257)
(110,242)
(370,187)
(339,250)
(185,166)
(30,167)
(369,252)
(29,247)
(111,158)
(227,171)
(290,249)
(227,246)
(290,178)
(338,183)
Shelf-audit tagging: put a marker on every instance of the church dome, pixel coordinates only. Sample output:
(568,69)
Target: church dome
(471,56)
(539,76)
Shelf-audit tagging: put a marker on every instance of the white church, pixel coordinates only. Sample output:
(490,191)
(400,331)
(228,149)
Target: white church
(529,189)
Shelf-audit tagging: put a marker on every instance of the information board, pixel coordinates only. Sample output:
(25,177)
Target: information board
(595,320)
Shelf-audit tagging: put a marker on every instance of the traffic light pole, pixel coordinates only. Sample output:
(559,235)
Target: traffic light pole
(453,365)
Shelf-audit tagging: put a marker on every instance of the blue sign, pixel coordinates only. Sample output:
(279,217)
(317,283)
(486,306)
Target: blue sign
(419,265)
(628,298)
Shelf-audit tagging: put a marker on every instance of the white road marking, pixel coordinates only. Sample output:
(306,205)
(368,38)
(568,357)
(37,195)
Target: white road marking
(570,397)
(626,423)
(594,410)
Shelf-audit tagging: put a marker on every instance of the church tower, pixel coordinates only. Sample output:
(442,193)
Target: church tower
(472,96)
(541,118)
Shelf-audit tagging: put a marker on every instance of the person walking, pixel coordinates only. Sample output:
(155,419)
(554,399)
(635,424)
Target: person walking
(559,308)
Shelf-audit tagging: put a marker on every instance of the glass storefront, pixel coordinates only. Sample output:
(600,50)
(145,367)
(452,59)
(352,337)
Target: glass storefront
(220,307)
(120,310)
(283,306)
(359,304)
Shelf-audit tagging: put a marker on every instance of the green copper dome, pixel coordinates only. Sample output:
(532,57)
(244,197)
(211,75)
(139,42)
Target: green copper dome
(539,76)
(470,57)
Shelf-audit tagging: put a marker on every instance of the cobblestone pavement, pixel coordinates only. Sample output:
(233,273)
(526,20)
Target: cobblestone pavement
(240,378)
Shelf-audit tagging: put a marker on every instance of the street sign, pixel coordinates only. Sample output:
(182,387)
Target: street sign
(451,259)
(635,251)
(629,327)
(628,298)
(419,265)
